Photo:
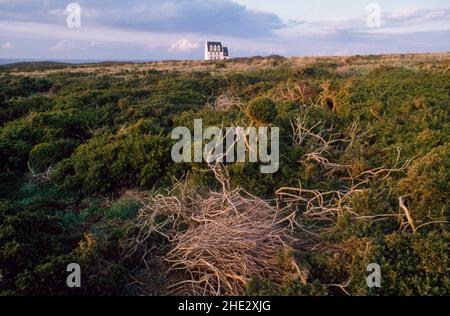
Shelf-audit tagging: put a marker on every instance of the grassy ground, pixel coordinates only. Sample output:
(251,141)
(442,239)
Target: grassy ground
(343,64)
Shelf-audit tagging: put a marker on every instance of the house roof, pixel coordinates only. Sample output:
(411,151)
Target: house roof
(212,44)
(225,51)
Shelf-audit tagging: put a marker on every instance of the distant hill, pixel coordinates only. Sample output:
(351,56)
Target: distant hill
(26,65)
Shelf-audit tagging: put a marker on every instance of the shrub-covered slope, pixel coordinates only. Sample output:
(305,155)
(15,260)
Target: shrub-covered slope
(369,134)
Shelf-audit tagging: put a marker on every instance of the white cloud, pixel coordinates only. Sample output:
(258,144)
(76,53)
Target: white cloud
(183,45)
(7,45)
(41,31)
(63,46)
(180,16)
(401,31)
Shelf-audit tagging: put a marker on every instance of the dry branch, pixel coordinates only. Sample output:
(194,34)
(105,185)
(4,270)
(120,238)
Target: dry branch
(292,91)
(328,205)
(219,240)
(226,101)
(40,177)
(401,201)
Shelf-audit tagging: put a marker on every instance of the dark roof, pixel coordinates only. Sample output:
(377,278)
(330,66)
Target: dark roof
(225,51)
(208,44)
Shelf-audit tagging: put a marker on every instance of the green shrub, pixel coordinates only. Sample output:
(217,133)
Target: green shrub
(125,208)
(109,133)
(44,155)
(426,186)
(262,111)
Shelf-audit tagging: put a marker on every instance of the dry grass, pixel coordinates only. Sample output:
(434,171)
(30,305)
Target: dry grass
(227,101)
(439,62)
(218,240)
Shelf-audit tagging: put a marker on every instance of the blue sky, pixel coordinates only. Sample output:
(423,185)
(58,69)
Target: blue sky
(176,29)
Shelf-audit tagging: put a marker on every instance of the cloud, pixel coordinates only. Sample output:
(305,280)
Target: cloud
(161,29)
(417,17)
(405,22)
(215,17)
(7,45)
(183,45)
(63,46)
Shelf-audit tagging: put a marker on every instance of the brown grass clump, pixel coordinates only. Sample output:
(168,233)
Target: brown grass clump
(292,91)
(227,101)
(218,241)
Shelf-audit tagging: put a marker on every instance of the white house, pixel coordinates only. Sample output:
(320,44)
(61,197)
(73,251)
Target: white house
(216,51)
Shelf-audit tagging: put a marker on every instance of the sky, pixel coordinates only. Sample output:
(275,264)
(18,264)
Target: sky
(177,29)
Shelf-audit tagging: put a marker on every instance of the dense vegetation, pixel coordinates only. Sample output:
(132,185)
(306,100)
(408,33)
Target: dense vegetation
(72,144)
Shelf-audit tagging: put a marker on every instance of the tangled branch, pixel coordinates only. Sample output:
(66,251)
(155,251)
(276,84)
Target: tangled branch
(225,101)
(292,91)
(40,177)
(218,240)
(329,205)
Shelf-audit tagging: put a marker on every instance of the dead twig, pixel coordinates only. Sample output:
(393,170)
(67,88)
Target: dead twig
(401,201)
